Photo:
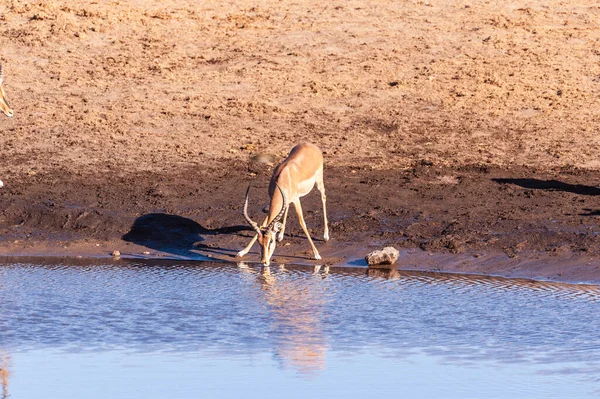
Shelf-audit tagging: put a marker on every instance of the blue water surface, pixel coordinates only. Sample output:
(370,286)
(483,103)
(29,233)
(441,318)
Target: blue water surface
(150,329)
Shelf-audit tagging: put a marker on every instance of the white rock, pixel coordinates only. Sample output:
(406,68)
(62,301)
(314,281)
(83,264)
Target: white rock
(386,256)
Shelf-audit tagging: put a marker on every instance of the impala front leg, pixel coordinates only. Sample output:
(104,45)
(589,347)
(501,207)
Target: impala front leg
(303,224)
(244,251)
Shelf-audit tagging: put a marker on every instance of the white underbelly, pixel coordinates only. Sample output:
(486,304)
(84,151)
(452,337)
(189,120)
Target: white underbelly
(305,187)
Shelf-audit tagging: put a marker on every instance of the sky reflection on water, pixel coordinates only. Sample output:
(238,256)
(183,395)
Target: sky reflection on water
(185,330)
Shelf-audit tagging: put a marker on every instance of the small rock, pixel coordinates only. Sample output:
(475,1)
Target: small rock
(116,254)
(1,184)
(386,256)
(146,253)
(262,158)
(248,147)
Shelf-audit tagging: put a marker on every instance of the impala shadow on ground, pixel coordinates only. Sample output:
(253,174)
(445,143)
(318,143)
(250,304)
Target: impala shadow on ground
(175,234)
(551,185)
(590,212)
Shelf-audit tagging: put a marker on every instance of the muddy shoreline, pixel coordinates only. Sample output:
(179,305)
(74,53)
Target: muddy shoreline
(471,219)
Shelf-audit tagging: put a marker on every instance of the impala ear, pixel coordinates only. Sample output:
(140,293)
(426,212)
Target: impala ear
(277,227)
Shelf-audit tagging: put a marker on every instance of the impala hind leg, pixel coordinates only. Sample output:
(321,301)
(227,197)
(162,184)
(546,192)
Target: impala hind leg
(321,188)
(249,246)
(303,224)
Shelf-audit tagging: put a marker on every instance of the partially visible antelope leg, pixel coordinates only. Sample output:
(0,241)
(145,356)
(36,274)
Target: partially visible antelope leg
(280,234)
(321,188)
(303,224)
(249,246)
(4,107)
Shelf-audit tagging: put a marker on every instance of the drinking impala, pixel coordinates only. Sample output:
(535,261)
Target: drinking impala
(293,178)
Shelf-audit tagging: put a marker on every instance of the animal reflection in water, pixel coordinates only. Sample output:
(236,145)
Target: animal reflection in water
(296,306)
(4,364)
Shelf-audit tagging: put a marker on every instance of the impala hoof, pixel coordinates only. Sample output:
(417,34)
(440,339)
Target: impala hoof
(240,254)
(279,237)
(326,237)
(317,256)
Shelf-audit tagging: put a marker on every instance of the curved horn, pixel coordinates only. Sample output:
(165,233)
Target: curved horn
(283,206)
(250,221)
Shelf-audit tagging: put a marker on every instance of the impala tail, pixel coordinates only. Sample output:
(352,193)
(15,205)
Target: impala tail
(4,107)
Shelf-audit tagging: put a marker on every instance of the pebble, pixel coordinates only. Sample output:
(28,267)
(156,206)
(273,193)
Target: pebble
(116,254)
(262,158)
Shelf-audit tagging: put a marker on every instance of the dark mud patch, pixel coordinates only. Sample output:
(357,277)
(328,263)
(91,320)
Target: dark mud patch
(471,213)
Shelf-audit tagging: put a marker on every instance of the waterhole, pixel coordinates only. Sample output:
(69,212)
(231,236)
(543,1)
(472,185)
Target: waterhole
(133,329)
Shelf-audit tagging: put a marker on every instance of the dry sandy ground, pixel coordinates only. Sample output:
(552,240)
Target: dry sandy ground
(466,128)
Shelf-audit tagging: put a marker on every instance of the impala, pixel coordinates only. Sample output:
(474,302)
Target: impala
(293,178)
(4,107)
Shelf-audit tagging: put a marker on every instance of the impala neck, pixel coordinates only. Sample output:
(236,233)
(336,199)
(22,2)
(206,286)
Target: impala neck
(275,205)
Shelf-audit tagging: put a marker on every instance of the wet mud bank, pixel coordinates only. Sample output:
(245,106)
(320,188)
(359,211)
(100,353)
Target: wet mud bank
(515,222)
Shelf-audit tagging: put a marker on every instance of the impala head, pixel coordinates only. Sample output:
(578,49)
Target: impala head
(4,107)
(267,236)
